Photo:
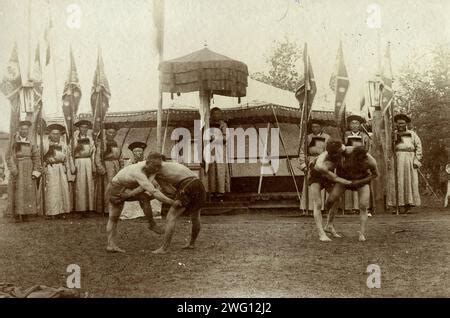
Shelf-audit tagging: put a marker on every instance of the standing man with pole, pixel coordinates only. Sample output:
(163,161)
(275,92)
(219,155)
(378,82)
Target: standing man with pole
(394,155)
(100,104)
(71,99)
(306,93)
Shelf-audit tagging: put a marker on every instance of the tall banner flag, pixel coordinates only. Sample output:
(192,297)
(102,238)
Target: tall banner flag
(71,97)
(158,20)
(387,96)
(99,96)
(339,83)
(100,103)
(11,86)
(387,79)
(305,95)
(47,32)
(307,86)
(36,81)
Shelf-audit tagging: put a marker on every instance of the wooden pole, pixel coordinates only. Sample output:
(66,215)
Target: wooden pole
(102,144)
(30,63)
(43,177)
(265,156)
(159,5)
(165,132)
(288,160)
(377,153)
(306,112)
(159,122)
(394,156)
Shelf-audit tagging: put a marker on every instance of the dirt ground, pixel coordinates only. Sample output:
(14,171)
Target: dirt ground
(262,254)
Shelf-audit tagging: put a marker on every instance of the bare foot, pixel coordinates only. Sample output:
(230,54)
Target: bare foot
(188,247)
(324,238)
(361,238)
(159,251)
(156,228)
(114,249)
(331,230)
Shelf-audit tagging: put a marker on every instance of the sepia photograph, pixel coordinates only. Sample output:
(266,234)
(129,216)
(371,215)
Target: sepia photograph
(239,151)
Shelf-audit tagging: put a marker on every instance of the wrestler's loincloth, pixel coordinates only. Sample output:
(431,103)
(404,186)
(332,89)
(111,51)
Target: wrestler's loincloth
(191,193)
(317,177)
(353,172)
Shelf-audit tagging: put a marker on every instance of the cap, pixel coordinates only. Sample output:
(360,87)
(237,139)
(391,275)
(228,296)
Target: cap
(137,144)
(83,122)
(402,117)
(59,127)
(25,123)
(355,117)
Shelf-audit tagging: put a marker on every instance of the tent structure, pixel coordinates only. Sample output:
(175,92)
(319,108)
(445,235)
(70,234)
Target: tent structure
(141,126)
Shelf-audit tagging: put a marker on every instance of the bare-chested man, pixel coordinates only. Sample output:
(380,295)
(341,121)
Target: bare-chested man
(323,177)
(175,180)
(132,183)
(360,168)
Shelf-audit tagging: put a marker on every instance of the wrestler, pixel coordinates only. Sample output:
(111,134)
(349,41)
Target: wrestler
(360,168)
(322,177)
(178,180)
(132,183)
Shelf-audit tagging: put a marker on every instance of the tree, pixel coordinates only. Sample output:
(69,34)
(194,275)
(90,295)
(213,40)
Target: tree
(282,62)
(425,96)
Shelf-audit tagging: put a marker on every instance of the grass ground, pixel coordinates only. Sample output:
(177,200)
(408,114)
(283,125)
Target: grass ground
(250,255)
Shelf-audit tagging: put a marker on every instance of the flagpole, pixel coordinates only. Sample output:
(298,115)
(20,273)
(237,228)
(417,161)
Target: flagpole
(102,177)
(305,130)
(159,5)
(43,177)
(29,40)
(394,155)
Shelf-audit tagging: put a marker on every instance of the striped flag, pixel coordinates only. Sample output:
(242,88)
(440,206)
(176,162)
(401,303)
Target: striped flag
(36,96)
(339,83)
(99,96)
(71,96)
(387,79)
(306,90)
(11,86)
(307,84)
(387,96)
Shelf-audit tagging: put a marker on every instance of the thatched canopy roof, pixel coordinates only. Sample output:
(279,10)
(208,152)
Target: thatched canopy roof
(204,70)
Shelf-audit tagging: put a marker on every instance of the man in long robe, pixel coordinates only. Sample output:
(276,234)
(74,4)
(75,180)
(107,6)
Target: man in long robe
(354,137)
(24,163)
(108,163)
(316,145)
(219,180)
(57,163)
(84,152)
(408,152)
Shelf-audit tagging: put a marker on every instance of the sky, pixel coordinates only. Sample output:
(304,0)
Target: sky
(243,30)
